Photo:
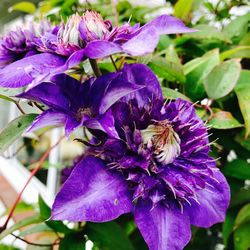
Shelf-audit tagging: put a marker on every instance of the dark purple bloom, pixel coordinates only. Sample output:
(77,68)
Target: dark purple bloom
(22,42)
(158,168)
(74,104)
(87,36)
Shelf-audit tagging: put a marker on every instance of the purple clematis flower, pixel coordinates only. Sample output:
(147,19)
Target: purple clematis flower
(157,168)
(74,104)
(87,36)
(23,42)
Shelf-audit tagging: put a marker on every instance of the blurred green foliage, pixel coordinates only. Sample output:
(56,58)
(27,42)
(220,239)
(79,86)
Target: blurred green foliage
(211,65)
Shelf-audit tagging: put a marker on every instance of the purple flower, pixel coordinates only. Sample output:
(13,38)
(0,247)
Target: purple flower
(87,36)
(158,168)
(22,43)
(74,104)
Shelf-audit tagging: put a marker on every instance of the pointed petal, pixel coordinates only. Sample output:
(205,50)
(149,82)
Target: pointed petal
(33,69)
(117,89)
(213,203)
(92,193)
(46,93)
(101,48)
(165,24)
(141,74)
(142,43)
(48,118)
(162,227)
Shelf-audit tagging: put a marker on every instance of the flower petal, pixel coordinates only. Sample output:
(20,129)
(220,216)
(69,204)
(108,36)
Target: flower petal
(92,193)
(33,69)
(162,227)
(142,43)
(140,74)
(165,24)
(48,118)
(46,93)
(213,203)
(101,48)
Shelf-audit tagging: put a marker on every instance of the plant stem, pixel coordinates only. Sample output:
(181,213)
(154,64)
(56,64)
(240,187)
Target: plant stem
(34,171)
(36,244)
(19,107)
(95,68)
(112,59)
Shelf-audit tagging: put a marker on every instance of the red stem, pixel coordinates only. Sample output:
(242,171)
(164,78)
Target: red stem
(34,171)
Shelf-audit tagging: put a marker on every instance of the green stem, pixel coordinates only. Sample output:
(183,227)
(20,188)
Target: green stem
(95,68)
(113,61)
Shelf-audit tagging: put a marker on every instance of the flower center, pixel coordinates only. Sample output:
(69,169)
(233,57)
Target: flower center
(69,33)
(164,141)
(83,112)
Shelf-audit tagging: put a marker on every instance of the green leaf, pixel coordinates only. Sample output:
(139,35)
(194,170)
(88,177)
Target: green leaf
(242,90)
(223,120)
(244,142)
(228,224)
(196,71)
(237,52)
(165,68)
(35,229)
(14,130)
(208,32)
(5,247)
(4,97)
(238,27)
(24,6)
(23,223)
(173,94)
(222,79)
(45,213)
(45,210)
(183,8)
(73,241)
(240,197)
(241,237)
(238,168)
(108,235)
(243,216)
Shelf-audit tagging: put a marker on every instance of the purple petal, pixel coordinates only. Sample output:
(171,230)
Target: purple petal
(33,69)
(101,48)
(116,90)
(213,203)
(142,43)
(46,93)
(161,227)
(92,193)
(104,123)
(48,118)
(140,74)
(165,24)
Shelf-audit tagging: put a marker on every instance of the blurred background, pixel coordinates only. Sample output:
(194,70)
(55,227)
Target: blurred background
(223,25)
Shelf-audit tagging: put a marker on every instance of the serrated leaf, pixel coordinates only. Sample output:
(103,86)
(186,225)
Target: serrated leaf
(243,216)
(241,237)
(222,79)
(238,168)
(173,94)
(73,241)
(237,52)
(242,90)
(183,8)
(196,71)
(25,6)
(108,235)
(14,130)
(223,120)
(167,69)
